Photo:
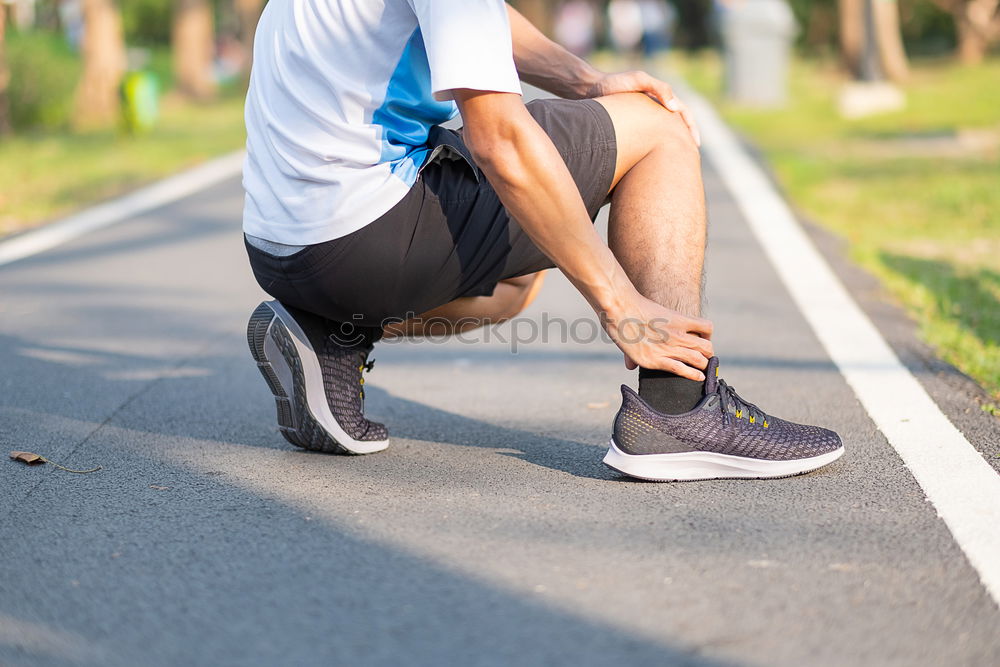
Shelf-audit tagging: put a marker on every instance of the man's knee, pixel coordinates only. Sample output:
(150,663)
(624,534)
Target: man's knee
(671,132)
(643,125)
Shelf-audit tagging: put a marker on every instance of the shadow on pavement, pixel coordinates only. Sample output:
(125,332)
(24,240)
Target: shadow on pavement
(194,569)
(416,421)
(213,575)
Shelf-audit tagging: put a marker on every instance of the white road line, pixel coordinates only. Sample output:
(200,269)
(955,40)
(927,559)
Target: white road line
(145,199)
(963,488)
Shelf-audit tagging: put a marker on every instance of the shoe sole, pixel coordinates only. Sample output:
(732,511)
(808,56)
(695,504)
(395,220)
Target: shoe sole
(291,369)
(697,466)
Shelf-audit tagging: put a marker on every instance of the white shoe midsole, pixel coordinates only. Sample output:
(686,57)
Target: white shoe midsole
(708,465)
(315,391)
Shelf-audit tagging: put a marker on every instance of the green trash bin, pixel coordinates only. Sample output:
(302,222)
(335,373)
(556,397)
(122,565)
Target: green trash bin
(140,101)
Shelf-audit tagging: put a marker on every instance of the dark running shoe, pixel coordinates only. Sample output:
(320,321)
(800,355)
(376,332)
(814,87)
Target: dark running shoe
(317,384)
(723,437)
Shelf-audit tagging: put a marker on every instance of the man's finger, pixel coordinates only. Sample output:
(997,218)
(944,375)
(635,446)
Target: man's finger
(662,93)
(685,113)
(696,325)
(685,371)
(629,364)
(699,344)
(688,119)
(691,357)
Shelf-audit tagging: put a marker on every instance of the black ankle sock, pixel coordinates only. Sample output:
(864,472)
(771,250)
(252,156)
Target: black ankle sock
(669,393)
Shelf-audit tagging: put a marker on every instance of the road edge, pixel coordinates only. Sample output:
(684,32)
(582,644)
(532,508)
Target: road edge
(958,481)
(143,200)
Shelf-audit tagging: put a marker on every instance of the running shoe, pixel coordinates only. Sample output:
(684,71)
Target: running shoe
(316,380)
(723,437)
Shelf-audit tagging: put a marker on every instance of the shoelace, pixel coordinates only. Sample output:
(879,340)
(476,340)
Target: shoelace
(728,397)
(365,367)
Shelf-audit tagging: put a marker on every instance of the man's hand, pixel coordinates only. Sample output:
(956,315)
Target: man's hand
(653,336)
(535,186)
(543,63)
(641,82)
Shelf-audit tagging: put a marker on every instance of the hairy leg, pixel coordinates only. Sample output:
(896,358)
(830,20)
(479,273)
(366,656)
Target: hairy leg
(658,224)
(657,228)
(510,297)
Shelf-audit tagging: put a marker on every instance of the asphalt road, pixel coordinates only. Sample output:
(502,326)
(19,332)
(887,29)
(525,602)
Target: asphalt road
(488,534)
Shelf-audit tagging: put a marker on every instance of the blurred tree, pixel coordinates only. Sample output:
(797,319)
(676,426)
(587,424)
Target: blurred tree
(147,22)
(248,13)
(47,15)
(890,40)
(103,48)
(818,19)
(45,75)
(539,12)
(927,29)
(4,75)
(884,19)
(852,33)
(695,22)
(977,24)
(193,44)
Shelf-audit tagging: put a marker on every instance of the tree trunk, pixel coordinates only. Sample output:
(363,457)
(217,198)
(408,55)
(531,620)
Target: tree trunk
(852,34)
(193,45)
(972,46)
(248,13)
(978,27)
(97,96)
(4,76)
(890,41)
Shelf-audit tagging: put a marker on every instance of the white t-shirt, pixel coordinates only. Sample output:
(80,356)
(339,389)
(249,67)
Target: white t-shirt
(342,95)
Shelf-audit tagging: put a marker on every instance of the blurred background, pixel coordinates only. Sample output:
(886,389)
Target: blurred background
(880,119)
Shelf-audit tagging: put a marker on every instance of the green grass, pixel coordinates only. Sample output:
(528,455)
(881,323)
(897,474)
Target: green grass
(928,225)
(46,175)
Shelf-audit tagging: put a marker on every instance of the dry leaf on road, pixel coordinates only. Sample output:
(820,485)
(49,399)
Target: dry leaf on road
(37,459)
(27,457)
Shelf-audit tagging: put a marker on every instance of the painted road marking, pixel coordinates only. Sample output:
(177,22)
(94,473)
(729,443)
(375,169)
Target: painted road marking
(963,488)
(145,199)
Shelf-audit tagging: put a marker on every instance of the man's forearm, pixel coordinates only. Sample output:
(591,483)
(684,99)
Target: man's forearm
(534,184)
(543,63)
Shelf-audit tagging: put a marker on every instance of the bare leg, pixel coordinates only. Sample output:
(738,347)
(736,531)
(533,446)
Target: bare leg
(657,228)
(658,223)
(510,297)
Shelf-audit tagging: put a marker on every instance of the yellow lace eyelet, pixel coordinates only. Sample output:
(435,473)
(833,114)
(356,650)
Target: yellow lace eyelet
(752,419)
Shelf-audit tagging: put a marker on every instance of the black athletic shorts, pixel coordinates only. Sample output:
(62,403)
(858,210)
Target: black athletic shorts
(449,237)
